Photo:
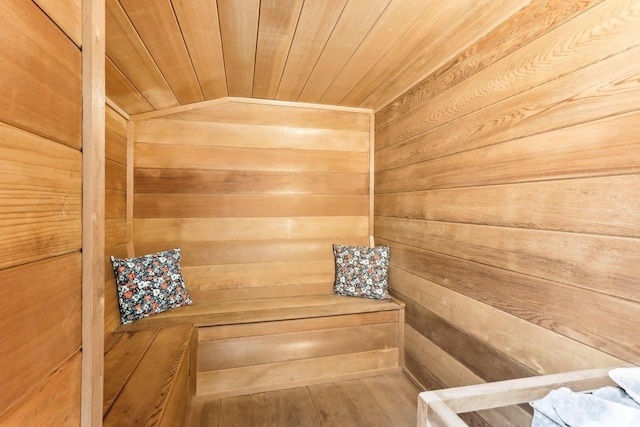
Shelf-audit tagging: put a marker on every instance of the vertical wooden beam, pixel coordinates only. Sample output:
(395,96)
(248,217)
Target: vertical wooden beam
(372,152)
(130,188)
(93,192)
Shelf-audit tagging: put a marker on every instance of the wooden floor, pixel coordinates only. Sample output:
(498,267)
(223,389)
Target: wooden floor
(387,400)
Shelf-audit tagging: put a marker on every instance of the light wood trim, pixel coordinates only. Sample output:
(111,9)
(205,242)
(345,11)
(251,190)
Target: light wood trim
(117,108)
(93,224)
(440,404)
(240,100)
(372,180)
(130,197)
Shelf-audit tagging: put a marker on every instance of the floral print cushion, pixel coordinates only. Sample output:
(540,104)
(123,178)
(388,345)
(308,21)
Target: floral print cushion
(361,271)
(149,284)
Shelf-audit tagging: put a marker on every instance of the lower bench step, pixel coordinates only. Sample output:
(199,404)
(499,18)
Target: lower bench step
(147,377)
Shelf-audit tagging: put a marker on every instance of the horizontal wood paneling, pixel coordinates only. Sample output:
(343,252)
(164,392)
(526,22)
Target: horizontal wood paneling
(40,194)
(247,351)
(255,193)
(44,299)
(67,14)
(122,91)
(505,183)
(192,181)
(41,75)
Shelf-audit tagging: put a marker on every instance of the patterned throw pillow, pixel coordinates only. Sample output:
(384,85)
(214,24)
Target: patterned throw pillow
(149,284)
(361,271)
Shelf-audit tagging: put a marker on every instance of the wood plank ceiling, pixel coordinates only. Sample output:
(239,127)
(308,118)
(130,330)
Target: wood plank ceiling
(360,53)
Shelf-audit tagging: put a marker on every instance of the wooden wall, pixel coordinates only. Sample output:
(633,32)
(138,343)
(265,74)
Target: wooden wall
(507,185)
(115,209)
(40,212)
(255,193)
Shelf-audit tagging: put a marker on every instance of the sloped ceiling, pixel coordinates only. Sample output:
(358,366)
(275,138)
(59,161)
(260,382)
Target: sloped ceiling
(357,53)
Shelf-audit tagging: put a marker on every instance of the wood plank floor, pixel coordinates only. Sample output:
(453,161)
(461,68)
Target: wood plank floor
(386,400)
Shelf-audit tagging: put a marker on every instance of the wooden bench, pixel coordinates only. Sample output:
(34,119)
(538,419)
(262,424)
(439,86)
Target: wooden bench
(259,345)
(149,376)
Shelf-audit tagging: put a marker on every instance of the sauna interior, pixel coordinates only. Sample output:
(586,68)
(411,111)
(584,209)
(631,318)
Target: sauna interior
(492,145)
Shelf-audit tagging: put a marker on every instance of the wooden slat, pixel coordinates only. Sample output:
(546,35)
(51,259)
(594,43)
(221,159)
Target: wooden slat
(211,277)
(317,21)
(532,21)
(121,360)
(194,181)
(200,28)
(611,138)
(253,159)
(242,135)
(203,229)
(116,147)
(540,61)
(397,17)
(461,32)
(153,378)
(239,30)
(274,113)
(252,251)
(266,409)
(67,15)
(395,396)
(482,321)
(40,194)
(361,405)
(156,24)
(267,291)
(539,301)
(591,205)
(599,263)
(41,75)
(54,401)
(601,90)
(52,290)
(298,408)
(356,20)
(329,405)
(278,21)
(115,122)
(289,326)
(115,176)
(122,91)
(114,231)
(115,204)
(235,411)
(204,413)
(130,55)
(248,351)
(241,205)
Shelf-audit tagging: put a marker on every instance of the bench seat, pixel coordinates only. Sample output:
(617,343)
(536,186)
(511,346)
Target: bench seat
(267,344)
(149,376)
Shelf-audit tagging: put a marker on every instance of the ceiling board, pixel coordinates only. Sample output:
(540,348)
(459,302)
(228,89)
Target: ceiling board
(356,53)
(198,20)
(239,29)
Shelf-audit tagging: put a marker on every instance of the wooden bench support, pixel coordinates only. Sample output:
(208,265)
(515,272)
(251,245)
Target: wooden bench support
(148,377)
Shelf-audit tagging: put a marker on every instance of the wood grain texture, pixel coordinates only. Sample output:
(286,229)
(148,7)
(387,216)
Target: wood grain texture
(362,407)
(115,176)
(41,86)
(49,324)
(130,55)
(67,15)
(122,91)
(598,91)
(239,30)
(318,18)
(202,181)
(201,31)
(247,205)
(40,191)
(278,22)
(591,142)
(333,409)
(54,401)
(116,147)
(115,122)
(532,21)
(247,351)
(298,407)
(539,301)
(497,83)
(266,409)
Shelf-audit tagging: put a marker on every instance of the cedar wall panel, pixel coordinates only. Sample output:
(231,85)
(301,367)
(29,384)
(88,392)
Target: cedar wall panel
(255,194)
(507,185)
(40,213)
(115,210)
